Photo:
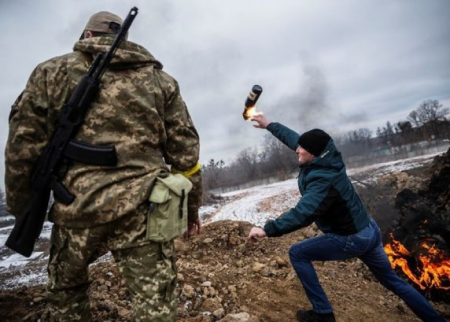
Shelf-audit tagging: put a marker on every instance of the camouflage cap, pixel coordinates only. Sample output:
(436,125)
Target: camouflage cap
(101,22)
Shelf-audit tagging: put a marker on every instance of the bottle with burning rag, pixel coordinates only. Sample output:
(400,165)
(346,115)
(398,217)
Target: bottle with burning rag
(250,102)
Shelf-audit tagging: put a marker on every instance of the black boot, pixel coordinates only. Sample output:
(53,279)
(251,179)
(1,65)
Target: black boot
(311,316)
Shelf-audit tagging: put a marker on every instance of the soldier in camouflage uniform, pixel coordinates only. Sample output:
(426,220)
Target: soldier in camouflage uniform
(140,111)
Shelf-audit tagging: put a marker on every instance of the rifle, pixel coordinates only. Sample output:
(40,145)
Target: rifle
(45,176)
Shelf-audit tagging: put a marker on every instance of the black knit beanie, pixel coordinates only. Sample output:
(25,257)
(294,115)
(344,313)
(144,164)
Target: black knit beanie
(314,141)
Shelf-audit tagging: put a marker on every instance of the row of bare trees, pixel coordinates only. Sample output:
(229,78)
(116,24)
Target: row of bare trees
(249,165)
(427,122)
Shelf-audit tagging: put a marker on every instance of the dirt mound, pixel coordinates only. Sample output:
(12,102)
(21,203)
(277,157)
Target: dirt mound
(223,277)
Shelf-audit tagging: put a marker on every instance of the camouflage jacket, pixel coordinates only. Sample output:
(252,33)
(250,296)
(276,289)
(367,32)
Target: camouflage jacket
(139,110)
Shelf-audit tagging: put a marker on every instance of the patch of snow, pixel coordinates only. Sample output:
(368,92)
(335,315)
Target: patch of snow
(6,218)
(18,260)
(26,278)
(246,208)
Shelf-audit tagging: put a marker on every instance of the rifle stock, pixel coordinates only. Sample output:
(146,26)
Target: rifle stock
(29,224)
(44,178)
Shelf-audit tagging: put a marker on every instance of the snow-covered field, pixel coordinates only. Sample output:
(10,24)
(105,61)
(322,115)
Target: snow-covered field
(17,270)
(254,205)
(245,204)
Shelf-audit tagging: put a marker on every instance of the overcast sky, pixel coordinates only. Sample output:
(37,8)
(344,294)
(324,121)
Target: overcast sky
(340,65)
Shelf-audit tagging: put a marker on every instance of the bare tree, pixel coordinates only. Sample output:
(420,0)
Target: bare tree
(280,161)
(431,118)
(354,142)
(405,130)
(432,111)
(246,164)
(404,126)
(212,173)
(386,135)
(413,117)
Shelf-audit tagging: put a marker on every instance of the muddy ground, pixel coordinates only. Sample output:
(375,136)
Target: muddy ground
(221,274)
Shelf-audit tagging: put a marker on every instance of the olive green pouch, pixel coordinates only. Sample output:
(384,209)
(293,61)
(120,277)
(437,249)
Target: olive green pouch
(167,216)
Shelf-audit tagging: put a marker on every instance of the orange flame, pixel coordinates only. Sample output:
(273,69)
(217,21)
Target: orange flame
(250,112)
(434,272)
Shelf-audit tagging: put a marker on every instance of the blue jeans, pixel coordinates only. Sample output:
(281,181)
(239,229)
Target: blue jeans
(367,246)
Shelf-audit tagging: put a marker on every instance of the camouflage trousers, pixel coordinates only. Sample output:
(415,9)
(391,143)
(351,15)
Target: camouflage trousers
(147,267)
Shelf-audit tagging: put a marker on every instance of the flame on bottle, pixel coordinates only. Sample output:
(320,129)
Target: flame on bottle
(250,102)
(249,112)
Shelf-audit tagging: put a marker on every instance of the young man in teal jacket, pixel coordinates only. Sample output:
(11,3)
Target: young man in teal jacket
(330,201)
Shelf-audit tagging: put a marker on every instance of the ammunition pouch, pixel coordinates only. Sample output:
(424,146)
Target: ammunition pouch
(167,217)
